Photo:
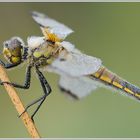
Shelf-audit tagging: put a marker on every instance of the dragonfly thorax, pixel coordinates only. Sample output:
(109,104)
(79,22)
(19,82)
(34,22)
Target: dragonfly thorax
(42,52)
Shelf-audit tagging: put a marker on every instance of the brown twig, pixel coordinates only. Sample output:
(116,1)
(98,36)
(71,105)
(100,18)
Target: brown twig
(18,105)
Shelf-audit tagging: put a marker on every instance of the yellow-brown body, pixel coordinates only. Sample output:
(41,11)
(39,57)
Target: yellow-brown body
(109,78)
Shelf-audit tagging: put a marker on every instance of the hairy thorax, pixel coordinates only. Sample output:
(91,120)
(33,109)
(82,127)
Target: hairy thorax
(45,55)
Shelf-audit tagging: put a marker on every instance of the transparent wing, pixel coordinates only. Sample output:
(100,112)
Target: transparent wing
(77,87)
(75,63)
(53,26)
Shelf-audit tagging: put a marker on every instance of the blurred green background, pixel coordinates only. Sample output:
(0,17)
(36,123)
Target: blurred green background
(110,31)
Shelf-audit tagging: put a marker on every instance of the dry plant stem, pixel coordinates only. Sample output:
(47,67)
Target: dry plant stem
(18,105)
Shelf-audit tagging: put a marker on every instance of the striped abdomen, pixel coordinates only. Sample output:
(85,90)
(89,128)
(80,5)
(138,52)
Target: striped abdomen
(109,78)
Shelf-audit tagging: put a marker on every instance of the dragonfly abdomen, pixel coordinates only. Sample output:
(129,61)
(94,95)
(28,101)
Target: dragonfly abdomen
(110,79)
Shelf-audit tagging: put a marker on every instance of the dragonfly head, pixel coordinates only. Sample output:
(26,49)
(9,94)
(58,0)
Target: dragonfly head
(12,50)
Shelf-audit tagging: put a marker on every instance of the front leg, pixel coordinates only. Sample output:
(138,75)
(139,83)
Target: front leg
(26,83)
(8,65)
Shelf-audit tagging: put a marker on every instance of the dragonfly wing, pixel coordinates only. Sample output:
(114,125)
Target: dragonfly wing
(77,87)
(76,63)
(52,25)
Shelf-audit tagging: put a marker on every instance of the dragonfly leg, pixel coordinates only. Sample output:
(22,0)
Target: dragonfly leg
(46,89)
(26,83)
(28,106)
(8,65)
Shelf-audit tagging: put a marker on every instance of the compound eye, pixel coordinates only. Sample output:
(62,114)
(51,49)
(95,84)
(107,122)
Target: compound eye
(6,44)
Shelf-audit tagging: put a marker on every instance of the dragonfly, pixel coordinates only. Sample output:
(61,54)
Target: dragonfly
(80,74)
